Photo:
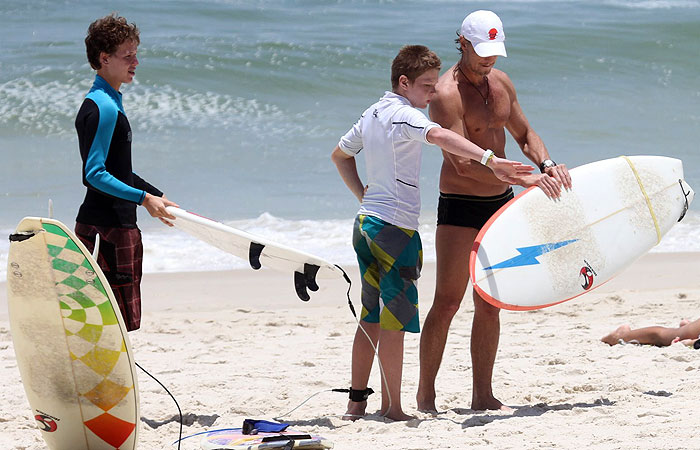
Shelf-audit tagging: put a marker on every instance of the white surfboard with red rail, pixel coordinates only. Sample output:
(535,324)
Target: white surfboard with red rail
(536,252)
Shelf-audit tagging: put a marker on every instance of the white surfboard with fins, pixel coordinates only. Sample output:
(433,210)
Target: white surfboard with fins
(258,251)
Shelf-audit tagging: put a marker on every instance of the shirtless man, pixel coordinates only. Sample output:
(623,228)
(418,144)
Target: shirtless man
(478,102)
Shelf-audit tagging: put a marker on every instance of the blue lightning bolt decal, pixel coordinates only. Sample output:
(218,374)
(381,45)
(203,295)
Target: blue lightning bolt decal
(528,255)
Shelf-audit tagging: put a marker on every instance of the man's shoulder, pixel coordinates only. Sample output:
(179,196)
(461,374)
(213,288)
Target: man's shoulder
(501,77)
(447,82)
(498,73)
(447,101)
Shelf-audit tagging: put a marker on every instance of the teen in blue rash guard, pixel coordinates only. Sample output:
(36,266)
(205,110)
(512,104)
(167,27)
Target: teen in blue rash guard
(113,189)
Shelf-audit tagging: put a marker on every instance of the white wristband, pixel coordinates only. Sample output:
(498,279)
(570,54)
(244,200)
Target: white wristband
(488,154)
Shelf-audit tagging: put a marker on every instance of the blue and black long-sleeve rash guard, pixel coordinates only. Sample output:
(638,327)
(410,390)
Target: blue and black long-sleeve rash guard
(104,136)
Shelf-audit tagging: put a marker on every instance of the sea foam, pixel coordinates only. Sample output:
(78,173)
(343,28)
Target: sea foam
(171,250)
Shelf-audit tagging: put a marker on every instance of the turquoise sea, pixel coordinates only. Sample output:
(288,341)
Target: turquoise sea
(237,104)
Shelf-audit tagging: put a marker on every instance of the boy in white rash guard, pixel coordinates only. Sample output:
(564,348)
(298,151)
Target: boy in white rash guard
(391,132)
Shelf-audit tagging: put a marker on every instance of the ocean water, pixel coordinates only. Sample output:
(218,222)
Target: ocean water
(237,104)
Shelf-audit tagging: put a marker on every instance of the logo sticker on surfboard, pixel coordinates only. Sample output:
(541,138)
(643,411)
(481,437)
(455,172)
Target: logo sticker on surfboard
(586,276)
(46,422)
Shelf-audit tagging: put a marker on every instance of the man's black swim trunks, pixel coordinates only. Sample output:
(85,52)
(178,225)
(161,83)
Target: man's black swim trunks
(469,210)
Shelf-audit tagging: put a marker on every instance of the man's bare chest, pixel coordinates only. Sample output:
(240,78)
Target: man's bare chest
(483,113)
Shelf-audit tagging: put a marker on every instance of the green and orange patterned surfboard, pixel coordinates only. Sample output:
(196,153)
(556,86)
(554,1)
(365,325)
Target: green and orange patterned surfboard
(70,341)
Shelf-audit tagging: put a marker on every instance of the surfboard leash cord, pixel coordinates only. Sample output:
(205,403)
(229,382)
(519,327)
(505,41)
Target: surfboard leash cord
(179,411)
(367,391)
(342,390)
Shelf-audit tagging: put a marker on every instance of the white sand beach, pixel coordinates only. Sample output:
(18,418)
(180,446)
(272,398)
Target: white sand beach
(239,344)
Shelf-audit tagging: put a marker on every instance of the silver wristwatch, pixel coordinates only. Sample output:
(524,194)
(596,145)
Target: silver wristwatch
(546,164)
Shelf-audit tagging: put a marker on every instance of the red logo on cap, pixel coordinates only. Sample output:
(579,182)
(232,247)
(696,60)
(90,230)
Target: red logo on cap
(492,34)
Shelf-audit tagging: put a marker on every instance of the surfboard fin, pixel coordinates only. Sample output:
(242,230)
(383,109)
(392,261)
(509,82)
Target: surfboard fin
(300,286)
(310,271)
(254,252)
(306,280)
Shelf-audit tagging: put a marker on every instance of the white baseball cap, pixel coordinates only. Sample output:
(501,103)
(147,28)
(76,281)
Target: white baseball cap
(485,32)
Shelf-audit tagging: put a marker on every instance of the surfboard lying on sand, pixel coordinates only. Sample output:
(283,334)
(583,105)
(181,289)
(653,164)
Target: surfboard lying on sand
(235,439)
(258,251)
(537,252)
(70,341)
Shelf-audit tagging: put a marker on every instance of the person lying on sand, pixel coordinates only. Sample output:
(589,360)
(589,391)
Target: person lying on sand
(687,333)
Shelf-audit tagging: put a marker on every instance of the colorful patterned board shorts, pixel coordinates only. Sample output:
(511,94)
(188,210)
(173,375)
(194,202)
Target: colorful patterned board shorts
(390,259)
(120,258)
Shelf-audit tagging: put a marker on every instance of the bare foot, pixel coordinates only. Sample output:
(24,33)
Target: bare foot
(683,323)
(426,404)
(356,410)
(491,403)
(398,416)
(614,337)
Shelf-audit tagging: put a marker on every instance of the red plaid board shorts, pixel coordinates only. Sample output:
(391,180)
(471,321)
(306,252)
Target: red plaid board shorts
(120,258)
